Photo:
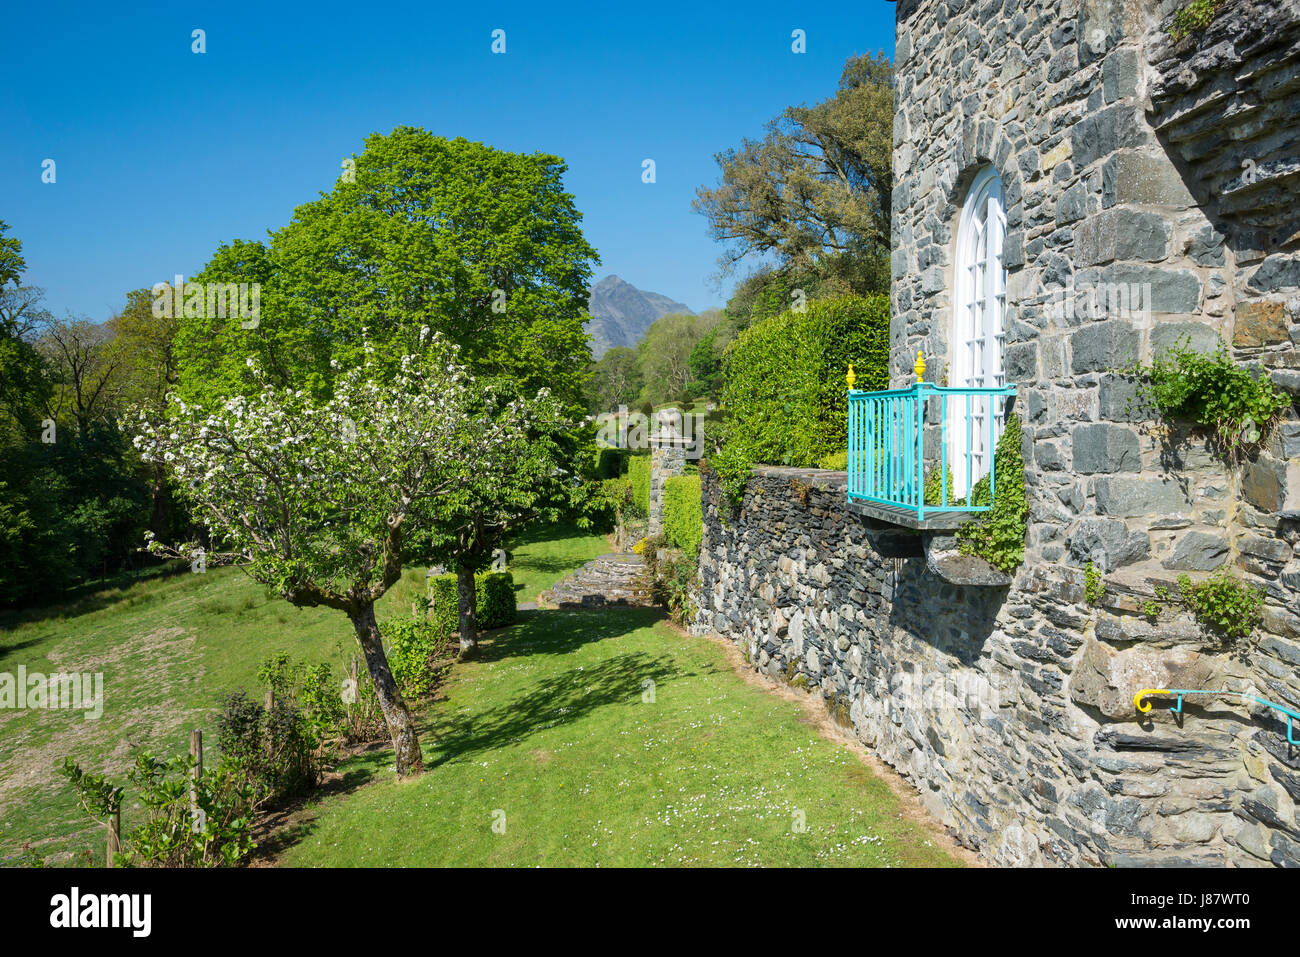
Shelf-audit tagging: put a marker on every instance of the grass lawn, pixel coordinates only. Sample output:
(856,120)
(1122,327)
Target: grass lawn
(552,735)
(168,649)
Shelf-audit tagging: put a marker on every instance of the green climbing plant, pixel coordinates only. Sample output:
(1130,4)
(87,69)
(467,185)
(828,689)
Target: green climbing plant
(1194,17)
(998,535)
(1211,391)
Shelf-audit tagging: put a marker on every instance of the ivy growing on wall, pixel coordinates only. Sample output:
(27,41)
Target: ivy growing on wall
(1214,393)
(998,535)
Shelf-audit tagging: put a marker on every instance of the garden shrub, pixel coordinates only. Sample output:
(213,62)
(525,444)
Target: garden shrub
(683,514)
(172,834)
(611,463)
(496,600)
(413,646)
(785,390)
(672,579)
(733,467)
(494,604)
(638,473)
(274,748)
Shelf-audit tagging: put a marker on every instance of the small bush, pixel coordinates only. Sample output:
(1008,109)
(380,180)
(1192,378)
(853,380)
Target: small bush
(1211,391)
(733,467)
(672,580)
(274,750)
(213,828)
(413,646)
(611,463)
(683,514)
(496,600)
(835,461)
(494,604)
(1223,603)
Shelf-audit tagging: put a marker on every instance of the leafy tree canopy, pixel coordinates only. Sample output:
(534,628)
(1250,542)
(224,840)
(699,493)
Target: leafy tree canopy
(819,182)
(480,244)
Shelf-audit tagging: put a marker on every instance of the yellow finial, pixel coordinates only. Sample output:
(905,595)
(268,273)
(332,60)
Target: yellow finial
(919,368)
(850,378)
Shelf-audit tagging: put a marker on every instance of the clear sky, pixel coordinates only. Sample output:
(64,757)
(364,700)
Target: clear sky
(162,153)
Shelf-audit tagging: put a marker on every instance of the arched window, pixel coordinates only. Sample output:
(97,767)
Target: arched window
(979,331)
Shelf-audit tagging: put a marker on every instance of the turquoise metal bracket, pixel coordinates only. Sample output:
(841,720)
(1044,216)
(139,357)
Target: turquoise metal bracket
(1179,693)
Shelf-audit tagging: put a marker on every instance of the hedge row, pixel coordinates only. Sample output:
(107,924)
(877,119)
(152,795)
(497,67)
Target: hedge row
(683,515)
(495,607)
(785,392)
(638,472)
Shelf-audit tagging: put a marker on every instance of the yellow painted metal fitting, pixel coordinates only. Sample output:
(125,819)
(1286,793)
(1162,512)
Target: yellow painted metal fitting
(1137,698)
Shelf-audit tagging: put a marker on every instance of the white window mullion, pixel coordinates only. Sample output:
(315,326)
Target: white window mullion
(979,326)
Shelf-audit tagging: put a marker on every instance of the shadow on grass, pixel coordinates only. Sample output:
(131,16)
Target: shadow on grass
(559,631)
(556,700)
(88,597)
(552,701)
(7,650)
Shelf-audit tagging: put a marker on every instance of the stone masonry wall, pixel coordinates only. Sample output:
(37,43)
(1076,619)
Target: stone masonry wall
(998,704)
(1130,229)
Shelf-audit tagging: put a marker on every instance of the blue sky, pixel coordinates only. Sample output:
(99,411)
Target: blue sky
(162,153)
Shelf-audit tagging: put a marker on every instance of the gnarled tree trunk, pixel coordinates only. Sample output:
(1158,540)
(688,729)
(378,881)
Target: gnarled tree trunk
(406,743)
(467,605)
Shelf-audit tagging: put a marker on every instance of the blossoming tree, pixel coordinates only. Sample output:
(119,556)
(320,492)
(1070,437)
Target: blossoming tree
(313,498)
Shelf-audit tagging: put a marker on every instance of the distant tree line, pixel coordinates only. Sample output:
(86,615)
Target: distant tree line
(75,498)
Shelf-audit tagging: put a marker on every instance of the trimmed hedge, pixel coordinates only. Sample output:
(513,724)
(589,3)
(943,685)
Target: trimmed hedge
(494,606)
(496,600)
(638,472)
(683,514)
(411,647)
(785,392)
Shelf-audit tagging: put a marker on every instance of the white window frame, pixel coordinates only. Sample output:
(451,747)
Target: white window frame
(978,337)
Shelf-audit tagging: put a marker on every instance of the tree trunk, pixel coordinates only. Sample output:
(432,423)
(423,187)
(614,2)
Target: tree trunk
(406,743)
(467,602)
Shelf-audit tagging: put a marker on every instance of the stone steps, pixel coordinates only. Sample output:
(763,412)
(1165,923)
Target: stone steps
(612,579)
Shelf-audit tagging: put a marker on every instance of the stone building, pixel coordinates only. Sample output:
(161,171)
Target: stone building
(1075,191)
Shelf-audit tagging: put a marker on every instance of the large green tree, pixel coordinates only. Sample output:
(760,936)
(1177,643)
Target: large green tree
(665,354)
(817,185)
(481,244)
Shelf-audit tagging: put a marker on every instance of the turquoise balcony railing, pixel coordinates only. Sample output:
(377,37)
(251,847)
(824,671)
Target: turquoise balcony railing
(923,453)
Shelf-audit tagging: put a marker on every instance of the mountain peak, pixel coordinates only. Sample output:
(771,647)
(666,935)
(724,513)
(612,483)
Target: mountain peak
(621,313)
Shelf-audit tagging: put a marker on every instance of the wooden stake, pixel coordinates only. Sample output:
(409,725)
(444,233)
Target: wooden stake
(196,771)
(114,836)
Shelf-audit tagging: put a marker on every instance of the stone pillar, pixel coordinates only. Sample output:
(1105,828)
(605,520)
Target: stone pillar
(667,458)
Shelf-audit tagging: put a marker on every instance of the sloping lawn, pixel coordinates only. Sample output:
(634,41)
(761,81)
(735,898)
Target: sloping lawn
(168,649)
(608,739)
